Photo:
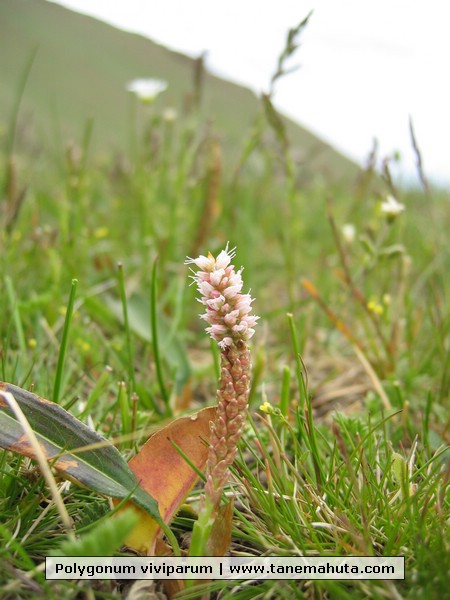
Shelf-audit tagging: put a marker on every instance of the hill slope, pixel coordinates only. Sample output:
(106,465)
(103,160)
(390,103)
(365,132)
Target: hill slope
(80,71)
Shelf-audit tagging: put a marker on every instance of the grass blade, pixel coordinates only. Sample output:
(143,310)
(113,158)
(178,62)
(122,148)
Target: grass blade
(155,344)
(123,298)
(64,339)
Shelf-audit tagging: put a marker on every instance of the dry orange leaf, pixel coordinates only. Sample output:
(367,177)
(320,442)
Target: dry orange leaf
(164,473)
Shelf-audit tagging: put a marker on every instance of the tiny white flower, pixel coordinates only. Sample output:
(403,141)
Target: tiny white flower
(251,320)
(349,232)
(230,318)
(232,291)
(205,288)
(227,341)
(147,89)
(215,303)
(224,258)
(217,329)
(391,207)
(206,263)
(235,279)
(243,303)
(216,277)
(242,326)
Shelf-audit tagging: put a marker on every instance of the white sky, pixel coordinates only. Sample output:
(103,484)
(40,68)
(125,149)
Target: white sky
(366,65)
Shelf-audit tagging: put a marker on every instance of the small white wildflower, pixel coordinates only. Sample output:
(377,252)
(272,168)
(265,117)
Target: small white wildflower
(227,309)
(349,232)
(391,207)
(147,89)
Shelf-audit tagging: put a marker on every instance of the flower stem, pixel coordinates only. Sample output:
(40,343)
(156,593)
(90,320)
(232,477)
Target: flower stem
(228,314)
(202,530)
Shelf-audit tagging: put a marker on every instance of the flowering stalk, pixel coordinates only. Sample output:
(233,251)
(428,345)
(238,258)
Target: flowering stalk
(231,325)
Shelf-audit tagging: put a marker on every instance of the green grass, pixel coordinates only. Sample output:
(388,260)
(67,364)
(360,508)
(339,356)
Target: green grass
(351,353)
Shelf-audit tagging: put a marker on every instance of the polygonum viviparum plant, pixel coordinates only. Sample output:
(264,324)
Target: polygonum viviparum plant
(231,325)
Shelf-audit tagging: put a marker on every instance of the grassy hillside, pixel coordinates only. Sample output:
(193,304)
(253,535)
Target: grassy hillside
(80,71)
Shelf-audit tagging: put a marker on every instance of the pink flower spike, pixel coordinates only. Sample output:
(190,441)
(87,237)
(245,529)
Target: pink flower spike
(230,324)
(227,308)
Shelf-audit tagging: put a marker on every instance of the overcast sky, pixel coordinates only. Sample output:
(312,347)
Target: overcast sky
(366,65)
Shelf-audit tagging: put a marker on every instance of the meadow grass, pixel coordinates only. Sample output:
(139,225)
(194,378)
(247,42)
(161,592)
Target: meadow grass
(344,451)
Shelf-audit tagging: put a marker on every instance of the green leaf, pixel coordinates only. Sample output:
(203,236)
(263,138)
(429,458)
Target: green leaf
(139,322)
(107,537)
(102,469)
(399,468)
